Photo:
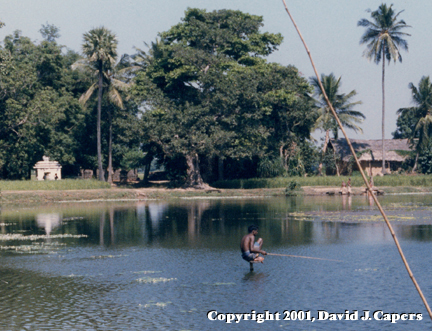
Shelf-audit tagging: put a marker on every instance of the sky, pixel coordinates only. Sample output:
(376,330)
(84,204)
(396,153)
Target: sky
(329,28)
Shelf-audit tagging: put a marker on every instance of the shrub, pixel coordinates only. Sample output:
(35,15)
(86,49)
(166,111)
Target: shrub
(268,168)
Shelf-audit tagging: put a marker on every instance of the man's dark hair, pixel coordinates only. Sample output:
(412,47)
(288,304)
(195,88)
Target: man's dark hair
(252,227)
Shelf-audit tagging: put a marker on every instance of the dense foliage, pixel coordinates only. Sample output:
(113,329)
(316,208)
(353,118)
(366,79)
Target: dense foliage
(203,101)
(39,106)
(210,94)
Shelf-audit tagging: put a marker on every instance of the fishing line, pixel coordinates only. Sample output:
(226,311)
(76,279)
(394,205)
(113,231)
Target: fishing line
(304,257)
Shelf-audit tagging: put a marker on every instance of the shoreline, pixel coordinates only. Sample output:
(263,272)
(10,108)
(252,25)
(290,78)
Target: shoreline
(114,194)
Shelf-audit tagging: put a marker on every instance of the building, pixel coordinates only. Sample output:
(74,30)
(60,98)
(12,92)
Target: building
(47,170)
(369,153)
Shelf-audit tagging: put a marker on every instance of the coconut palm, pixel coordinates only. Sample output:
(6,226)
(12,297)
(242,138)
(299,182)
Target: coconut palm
(422,115)
(142,60)
(115,81)
(342,105)
(100,49)
(383,39)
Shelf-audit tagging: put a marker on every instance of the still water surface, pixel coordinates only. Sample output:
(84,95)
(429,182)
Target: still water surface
(164,266)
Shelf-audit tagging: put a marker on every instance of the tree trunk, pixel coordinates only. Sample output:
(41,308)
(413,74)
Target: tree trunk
(147,165)
(220,168)
(383,115)
(193,173)
(415,163)
(146,172)
(110,168)
(327,138)
(99,140)
(284,155)
(336,164)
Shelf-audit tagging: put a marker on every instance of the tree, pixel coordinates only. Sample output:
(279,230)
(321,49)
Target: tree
(383,38)
(415,123)
(114,82)
(100,49)
(202,69)
(50,32)
(39,109)
(342,105)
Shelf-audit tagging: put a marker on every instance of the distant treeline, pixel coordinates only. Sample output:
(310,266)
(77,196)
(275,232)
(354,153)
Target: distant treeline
(201,100)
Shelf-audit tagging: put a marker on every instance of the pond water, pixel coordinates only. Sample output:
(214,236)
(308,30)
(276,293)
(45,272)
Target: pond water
(165,265)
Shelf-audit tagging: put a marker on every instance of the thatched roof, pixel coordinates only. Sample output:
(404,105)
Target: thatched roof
(372,149)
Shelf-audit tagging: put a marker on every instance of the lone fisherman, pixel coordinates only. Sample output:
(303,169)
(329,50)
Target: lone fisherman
(251,249)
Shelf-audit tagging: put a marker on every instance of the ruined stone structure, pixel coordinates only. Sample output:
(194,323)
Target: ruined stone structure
(47,170)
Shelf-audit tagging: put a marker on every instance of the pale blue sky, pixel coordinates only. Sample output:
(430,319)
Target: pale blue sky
(329,27)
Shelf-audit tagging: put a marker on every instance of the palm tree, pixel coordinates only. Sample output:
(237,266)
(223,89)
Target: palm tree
(100,49)
(383,38)
(115,81)
(342,105)
(422,115)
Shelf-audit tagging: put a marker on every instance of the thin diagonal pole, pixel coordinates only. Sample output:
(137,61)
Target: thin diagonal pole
(361,170)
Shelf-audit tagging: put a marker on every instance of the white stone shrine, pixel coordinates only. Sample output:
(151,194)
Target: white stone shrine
(48,170)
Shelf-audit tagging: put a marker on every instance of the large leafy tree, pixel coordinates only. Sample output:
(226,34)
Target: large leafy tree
(220,95)
(100,49)
(193,66)
(384,40)
(342,104)
(415,123)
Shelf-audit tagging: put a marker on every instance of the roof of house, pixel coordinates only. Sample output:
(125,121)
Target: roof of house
(372,149)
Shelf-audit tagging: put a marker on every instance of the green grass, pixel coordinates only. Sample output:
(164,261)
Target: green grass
(64,184)
(283,182)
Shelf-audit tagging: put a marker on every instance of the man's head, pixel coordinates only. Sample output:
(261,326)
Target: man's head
(252,228)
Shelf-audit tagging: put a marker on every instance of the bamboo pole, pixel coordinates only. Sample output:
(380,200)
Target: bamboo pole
(304,257)
(361,170)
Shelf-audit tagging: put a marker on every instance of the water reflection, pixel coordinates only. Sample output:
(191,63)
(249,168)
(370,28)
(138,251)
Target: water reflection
(48,221)
(188,254)
(220,224)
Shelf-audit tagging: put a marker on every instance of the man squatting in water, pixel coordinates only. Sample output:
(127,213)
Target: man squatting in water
(251,249)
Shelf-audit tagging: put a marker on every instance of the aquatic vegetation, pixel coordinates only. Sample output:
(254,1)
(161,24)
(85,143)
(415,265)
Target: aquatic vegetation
(35,248)
(404,215)
(157,304)
(299,216)
(67,219)
(105,256)
(149,280)
(366,270)
(188,311)
(17,236)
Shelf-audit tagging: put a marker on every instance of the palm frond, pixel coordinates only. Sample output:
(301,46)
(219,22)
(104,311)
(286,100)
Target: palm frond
(86,96)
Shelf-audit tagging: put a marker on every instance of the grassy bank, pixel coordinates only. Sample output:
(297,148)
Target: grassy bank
(357,181)
(49,185)
(43,197)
